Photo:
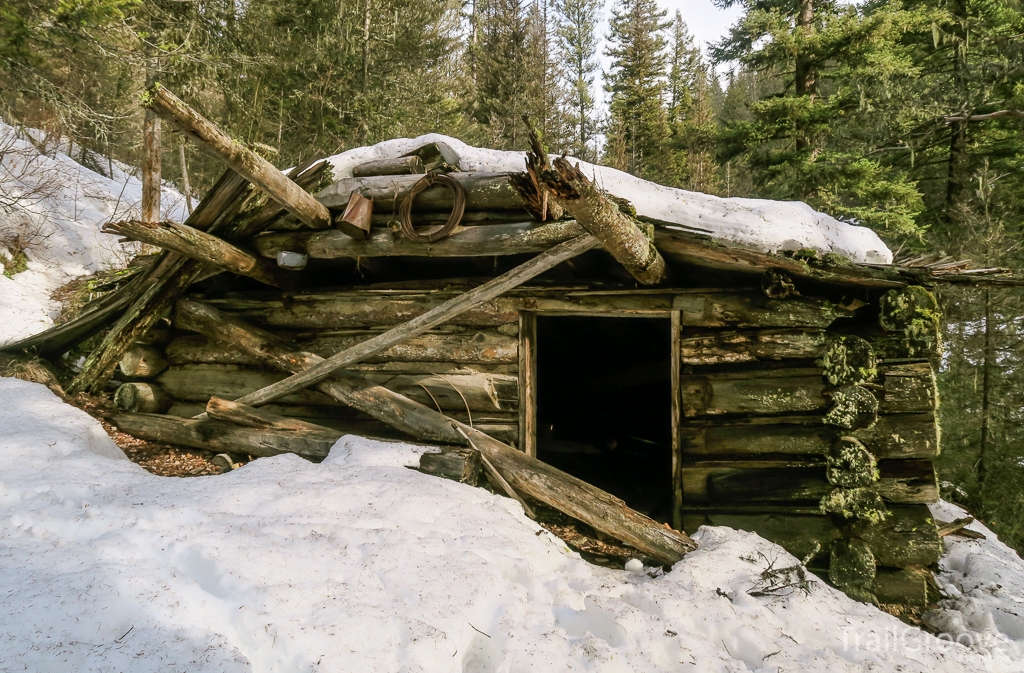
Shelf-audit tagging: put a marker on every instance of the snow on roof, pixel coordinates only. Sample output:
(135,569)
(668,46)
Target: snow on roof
(768,226)
(61,205)
(361,564)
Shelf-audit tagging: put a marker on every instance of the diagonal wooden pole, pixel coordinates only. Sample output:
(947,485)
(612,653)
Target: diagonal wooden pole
(418,325)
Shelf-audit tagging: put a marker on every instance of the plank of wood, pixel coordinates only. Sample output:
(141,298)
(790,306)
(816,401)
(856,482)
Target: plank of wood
(528,383)
(676,326)
(203,247)
(245,162)
(482,241)
(422,323)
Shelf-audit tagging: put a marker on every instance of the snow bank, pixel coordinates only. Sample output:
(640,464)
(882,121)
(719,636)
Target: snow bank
(771,226)
(360,564)
(60,205)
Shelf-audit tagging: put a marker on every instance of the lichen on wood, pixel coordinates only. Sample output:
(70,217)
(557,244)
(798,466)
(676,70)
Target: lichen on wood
(850,465)
(778,284)
(853,407)
(862,504)
(849,360)
(914,311)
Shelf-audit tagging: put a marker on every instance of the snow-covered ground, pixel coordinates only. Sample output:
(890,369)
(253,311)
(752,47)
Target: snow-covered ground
(59,205)
(771,226)
(361,564)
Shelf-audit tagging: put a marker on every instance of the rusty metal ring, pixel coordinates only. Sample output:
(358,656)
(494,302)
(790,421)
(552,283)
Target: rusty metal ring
(424,183)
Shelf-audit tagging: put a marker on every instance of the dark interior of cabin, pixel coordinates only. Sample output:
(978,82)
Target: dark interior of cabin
(604,405)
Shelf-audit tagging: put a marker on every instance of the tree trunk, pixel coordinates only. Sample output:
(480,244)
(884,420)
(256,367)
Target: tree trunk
(150,167)
(806,76)
(253,167)
(988,363)
(185,187)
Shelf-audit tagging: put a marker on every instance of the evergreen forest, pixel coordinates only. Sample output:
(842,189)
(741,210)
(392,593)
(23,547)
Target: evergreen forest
(906,116)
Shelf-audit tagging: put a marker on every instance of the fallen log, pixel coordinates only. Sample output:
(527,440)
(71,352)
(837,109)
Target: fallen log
(618,233)
(245,162)
(484,241)
(453,462)
(142,362)
(484,191)
(202,247)
(224,437)
(959,527)
(146,398)
(526,475)
(420,324)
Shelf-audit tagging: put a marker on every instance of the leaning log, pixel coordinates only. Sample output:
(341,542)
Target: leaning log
(433,318)
(202,247)
(245,162)
(485,241)
(527,475)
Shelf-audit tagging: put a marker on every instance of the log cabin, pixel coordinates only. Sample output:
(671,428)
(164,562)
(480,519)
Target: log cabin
(644,359)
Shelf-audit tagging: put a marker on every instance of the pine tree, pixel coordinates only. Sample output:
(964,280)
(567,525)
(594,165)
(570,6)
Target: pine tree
(577,48)
(637,125)
(690,115)
(835,66)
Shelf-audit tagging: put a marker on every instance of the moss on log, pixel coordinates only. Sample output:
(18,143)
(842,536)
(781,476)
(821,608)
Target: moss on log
(852,568)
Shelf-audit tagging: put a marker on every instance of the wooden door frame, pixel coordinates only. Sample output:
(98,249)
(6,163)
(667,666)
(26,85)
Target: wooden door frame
(528,390)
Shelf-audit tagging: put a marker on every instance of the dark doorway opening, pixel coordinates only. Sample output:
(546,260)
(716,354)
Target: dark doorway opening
(604,405)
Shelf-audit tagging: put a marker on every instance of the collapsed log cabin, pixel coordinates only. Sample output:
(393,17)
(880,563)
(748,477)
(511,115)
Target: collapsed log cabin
(642,359)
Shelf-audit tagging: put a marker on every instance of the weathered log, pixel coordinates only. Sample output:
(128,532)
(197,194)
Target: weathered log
(905,389)
(245,162)
(145,398)
(220,436)
(484,191)
(476,347)
(202,247)
(472,392)
(373,308)
(527,475)
(908,388)
(849,360)
(618,233)
(392,166)
(142,362)
(453,462)
(443,313)
(712,347)
(906,538)
(580,500)
(852,568)
(892,436)
(905,587)
(485,241)
(901,481)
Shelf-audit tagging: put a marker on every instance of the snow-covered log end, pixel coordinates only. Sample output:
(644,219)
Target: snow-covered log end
(768,226)
(362,564)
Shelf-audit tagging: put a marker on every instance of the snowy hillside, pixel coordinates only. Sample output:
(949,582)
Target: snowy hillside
(771,226)
(57,206)
(360,564)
